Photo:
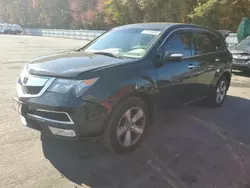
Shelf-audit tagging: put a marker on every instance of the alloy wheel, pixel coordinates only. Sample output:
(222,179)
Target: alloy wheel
(221,91)
(131,127)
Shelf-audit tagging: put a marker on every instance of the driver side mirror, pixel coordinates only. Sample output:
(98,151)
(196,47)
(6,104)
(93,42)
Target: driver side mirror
(173,56)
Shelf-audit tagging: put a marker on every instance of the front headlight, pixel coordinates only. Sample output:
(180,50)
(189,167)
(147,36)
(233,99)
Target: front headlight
(242,57)
(75,87)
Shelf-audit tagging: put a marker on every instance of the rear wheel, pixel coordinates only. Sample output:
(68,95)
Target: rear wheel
(218,93)
(127,126)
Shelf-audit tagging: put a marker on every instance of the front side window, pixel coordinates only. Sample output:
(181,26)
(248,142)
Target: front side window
(127,42)
(203,43)
(180,42)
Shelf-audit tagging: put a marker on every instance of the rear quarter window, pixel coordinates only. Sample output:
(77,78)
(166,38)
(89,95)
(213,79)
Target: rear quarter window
(218,45)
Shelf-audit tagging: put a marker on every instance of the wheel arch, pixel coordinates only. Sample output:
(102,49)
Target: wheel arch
(149,101)
(227,75)
(146,98)
(143,89)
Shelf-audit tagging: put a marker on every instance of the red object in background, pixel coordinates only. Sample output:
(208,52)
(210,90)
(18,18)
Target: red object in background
(86,16)
(33,3)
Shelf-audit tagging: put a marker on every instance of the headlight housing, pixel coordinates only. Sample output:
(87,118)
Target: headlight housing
(74,87)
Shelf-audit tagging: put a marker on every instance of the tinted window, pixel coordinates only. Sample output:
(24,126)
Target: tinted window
(217,44)
(180,41)
(203,43)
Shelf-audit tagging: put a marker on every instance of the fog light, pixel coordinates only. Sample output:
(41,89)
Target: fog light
(62,132)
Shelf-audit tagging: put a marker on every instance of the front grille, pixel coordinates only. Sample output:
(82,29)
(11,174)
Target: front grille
(240,61)
(32,86)
(56,116)
(31,90)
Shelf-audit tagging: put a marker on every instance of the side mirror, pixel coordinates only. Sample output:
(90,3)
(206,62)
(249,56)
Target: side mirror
(173,56)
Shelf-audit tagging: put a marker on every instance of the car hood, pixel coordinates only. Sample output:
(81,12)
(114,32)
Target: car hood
(71,64)
(239,50)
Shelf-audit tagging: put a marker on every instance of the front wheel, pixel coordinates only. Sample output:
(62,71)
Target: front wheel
(219,93)
(127,126)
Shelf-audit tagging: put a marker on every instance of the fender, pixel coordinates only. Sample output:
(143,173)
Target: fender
(226,69)
(143,85)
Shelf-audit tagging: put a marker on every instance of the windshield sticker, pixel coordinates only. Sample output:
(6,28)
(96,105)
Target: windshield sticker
(151,32)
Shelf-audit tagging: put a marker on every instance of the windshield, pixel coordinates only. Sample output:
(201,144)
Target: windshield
(130,43)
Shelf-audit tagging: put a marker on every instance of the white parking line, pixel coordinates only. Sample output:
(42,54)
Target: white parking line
(170,177)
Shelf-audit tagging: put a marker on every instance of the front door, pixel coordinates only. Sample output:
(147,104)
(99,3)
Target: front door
(177,79)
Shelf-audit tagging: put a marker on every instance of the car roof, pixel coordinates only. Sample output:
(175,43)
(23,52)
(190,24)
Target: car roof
(167,25)
(162,26)
(153,25)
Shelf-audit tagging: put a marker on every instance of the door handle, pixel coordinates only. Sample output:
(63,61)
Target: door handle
(210,68)
(191,66)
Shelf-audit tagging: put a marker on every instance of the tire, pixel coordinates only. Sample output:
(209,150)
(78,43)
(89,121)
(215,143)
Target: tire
(221,89)
(116,137)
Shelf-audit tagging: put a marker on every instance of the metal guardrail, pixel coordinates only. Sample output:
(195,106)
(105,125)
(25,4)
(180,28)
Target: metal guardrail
(60,33)
(90,34)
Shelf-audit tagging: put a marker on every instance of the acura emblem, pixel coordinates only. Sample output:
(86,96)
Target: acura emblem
(25,80)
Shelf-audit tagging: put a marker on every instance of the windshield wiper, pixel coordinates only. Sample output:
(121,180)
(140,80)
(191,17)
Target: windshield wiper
(108,54)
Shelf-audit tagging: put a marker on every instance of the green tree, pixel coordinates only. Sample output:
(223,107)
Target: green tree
(167,11)
(123,11)
(223,14)
(217,14)
(134,11)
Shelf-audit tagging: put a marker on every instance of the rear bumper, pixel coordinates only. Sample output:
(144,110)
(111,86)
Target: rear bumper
(63,115)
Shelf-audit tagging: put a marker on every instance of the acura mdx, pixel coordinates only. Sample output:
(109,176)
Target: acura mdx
(112,87)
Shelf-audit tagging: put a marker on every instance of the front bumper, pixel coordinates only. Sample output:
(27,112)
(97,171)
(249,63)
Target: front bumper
(63,115)
(240,64)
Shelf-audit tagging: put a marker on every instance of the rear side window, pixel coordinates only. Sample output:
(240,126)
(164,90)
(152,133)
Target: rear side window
(180,41)
(203,43)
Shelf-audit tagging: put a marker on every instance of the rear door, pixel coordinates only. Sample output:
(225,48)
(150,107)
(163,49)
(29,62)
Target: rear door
(177,79)
(206,51)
